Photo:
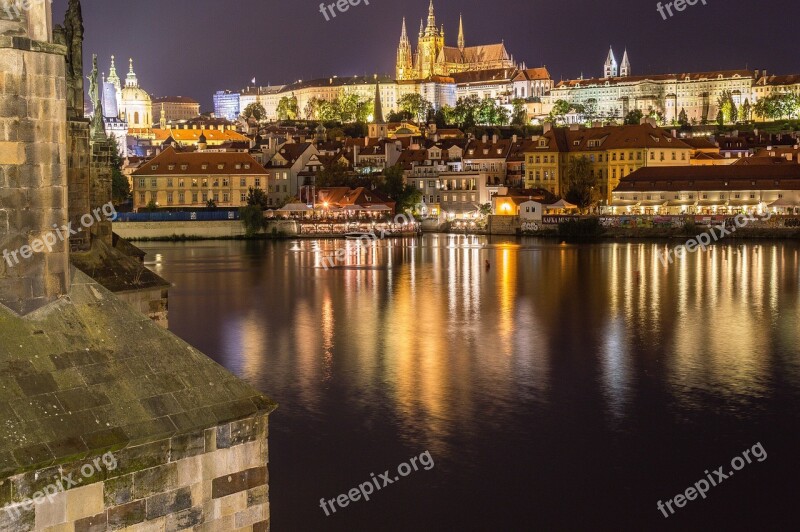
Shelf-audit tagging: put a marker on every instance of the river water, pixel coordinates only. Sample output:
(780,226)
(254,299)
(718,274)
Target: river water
(563,387)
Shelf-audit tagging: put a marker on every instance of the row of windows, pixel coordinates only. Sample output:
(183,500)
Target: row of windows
(195,182)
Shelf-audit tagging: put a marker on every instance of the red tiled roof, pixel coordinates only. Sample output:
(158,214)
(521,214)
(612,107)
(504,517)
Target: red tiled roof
(699,178)
(171,162)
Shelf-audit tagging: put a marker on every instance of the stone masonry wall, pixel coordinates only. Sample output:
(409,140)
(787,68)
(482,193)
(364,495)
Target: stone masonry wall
(213,480)
(79,180)
(33,184)
(153,303)
(100,190)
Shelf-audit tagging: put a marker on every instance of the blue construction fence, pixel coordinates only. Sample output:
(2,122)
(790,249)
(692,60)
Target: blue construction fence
(188,216)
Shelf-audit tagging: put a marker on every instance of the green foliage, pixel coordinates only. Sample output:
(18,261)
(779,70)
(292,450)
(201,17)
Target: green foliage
(415,105)
(393,185)
(287,108)
(256,197)
(634,117)
(560,109)
(151,206)
(252,218)
(334,175)
(120,187)
(343,109)
(583,187)
(727,107)
(778,106)
(211,204)
(398,116)
(255,110)
(683,118)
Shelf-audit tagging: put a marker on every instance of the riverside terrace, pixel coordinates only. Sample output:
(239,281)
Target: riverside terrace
(709,190)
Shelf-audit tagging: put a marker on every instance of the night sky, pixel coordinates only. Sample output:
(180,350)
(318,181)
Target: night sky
(195,47)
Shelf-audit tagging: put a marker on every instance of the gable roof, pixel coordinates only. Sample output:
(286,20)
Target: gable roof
(172,162)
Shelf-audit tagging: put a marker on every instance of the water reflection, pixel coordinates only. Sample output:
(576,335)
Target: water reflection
(442,350)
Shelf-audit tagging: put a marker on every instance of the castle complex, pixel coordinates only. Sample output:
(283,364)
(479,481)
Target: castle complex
(434,58)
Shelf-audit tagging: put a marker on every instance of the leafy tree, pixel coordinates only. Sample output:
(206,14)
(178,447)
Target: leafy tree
(583,186)
(519,114)
(590,109)
(335,133)
(560,109)
(466,110)
(778,106)
(393,185)
(745,111)
(727,107)
(683,118)
(634,117)
(287,108)
(311,110)
(252,217)
(485,209)
(334,175)
(255,110)
(151,206)
(120,187)
(415,105)
(398,116)
(720,118)
(211,203)
(256,197)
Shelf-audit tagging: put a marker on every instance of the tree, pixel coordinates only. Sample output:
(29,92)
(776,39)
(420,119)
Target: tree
(256,197)
(255,110)
(211,203)
(519,115)
(252,217)
(120,187)
(778,106)
(312,108)
(560,109)
(466,110)
(335,133)
(683,118)
(634,117)
(393,185)
(583,186)
(287,108)
(590,109)
(415,105)
(745,111)
(727,107)
(334,175)
(398,116)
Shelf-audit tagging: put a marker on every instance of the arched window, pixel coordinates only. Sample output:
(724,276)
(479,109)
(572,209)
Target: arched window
(136,117)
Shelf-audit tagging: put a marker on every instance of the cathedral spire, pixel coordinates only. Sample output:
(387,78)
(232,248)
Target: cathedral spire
(378,109)
(404,35)
(421,28)
(431,20)
(131,80)
(610,68)
(460,33)
(625,67)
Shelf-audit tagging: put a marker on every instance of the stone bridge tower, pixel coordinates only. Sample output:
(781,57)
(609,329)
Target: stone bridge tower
(34,270)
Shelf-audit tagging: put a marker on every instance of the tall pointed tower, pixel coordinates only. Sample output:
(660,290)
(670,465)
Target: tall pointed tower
(625,67)
(431,43)
(610,69)
(461,33)
(405,63)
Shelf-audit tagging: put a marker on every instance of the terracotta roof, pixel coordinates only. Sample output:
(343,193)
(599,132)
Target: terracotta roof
(700,143)
(791,79)
(699,178)
(193,135)
(762,161)
(533,74)
(290,152)
(608,138)
(488,150)
(172,162)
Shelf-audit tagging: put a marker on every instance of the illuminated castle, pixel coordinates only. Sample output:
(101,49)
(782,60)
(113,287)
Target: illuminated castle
(434,58)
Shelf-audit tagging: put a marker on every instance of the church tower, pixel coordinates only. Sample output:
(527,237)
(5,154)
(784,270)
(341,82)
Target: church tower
(610,69)
(431,43)
(113,78)
(405,64)
(625,67)
(460,33)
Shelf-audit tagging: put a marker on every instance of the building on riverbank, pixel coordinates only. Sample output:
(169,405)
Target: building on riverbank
(612,151)
(709,190)
(191,179)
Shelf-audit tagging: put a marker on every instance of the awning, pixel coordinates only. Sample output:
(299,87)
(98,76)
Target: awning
(783,202)
(711,203)
(379,208)
(680,203)
(623,203)
(353,208)
(295,207)
(561,204)
(653,203)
